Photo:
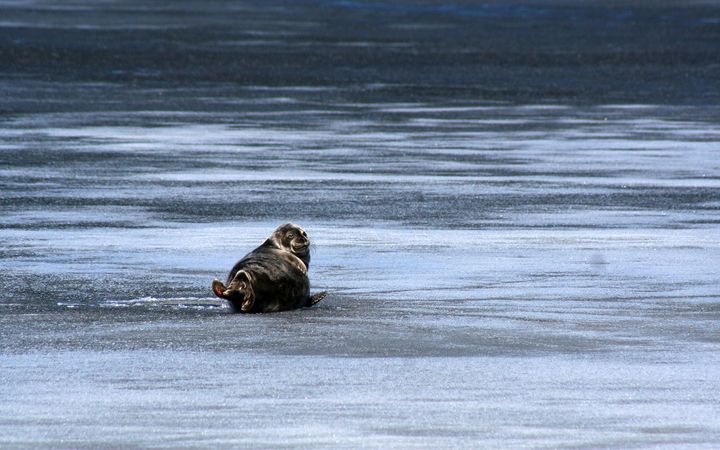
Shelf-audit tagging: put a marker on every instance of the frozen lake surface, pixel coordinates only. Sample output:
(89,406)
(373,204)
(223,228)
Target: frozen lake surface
(504,271)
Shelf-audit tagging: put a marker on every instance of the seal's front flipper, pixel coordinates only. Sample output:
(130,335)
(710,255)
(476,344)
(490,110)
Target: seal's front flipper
(218,288)
(317,297)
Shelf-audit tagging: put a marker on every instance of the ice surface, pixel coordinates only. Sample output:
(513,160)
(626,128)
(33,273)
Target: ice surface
(521,251)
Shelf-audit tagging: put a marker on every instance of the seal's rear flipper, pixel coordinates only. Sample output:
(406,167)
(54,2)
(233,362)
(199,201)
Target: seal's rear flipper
(218,288)
(317,297)
(240,291)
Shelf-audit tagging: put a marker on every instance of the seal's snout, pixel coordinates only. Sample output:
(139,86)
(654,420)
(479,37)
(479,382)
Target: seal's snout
(300,245)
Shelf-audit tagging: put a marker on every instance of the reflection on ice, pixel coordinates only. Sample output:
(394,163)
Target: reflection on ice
(178,303)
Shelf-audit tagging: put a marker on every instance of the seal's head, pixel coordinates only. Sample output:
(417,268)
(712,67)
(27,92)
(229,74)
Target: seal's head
(294,239)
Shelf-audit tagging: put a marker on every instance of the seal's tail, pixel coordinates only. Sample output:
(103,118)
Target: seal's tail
(317,297)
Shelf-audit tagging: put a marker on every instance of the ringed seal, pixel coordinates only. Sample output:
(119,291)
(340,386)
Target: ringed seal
(273,277)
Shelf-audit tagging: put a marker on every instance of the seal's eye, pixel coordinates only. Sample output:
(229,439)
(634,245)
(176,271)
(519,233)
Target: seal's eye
(291,235)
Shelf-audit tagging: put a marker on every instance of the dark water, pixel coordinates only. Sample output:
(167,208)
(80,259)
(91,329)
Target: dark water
(513,205)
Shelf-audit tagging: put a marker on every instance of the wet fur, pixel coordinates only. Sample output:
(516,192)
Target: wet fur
(273,277)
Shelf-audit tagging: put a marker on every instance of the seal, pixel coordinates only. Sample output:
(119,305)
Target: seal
(273,277)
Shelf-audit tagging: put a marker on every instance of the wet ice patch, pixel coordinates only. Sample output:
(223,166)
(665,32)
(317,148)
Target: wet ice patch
(150,302)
